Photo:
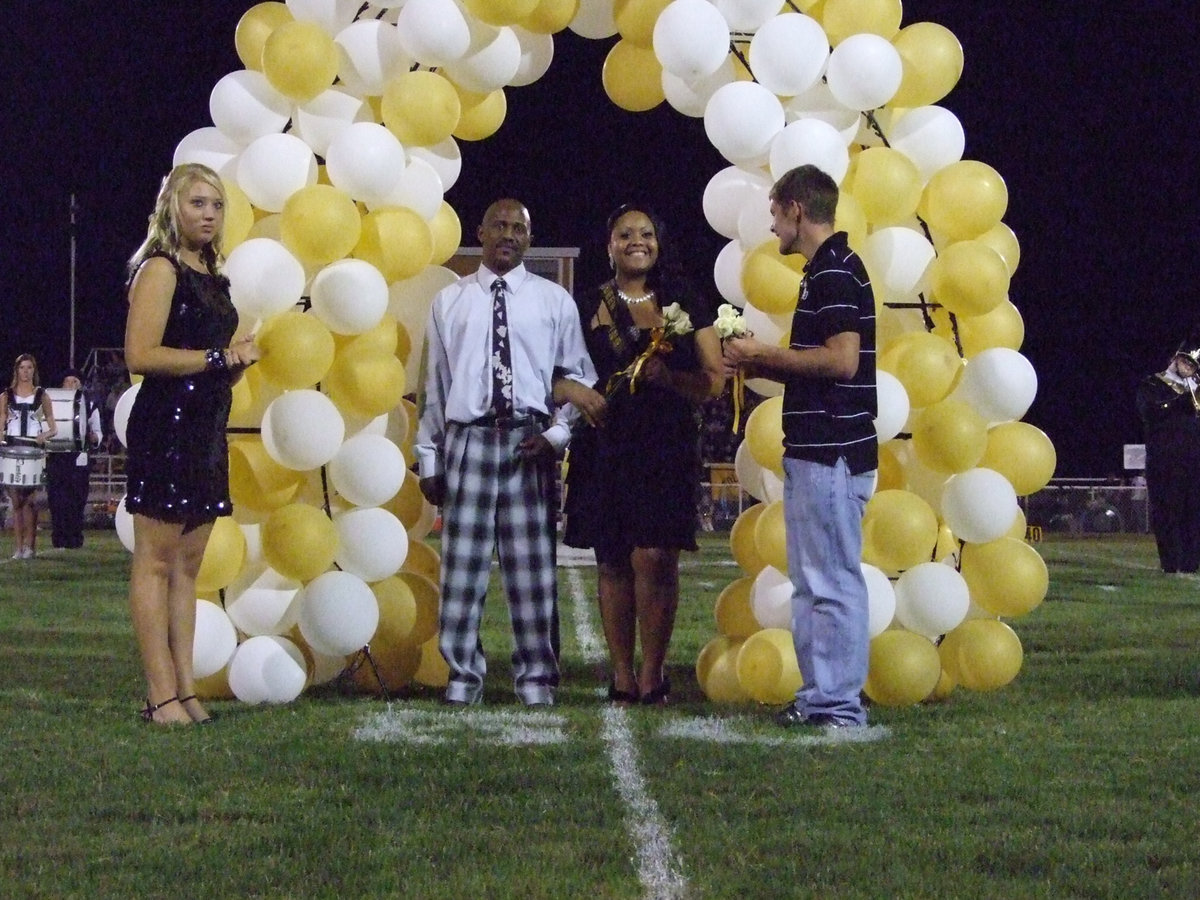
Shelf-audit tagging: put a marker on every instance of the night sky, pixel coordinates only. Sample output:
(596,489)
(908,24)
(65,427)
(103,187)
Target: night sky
(1085,111)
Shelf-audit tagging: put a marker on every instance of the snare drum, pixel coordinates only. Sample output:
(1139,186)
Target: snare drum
(70,418)
(22,465)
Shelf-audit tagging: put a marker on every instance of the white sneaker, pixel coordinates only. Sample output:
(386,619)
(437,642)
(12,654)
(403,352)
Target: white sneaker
(29,554)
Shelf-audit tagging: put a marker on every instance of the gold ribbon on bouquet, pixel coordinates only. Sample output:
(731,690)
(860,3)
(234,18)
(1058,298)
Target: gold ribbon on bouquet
(738,389)
(658,344)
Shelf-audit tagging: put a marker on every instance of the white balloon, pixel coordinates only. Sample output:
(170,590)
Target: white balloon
(214,640)
(121,413)
(789,53)
(264,278)
(419,188)
(273,168)
(408,303)
(366,161)
(244,106)
(881,599)
(979,505)
(338,613)
(372,543)
(766,327)
(537,52)
(761,484)
(370,53)
(931,599)
(747,16)
(864,71)
(209,147)
(691,96)
(818,103)
(691,38)
(810,142)
(727,273)
(321,119)
(893,405)
(771,598)
(252,534)
(433,32)
(267,669)
(445,157)
(331,15)
(350,296)
(123,522)
(266,605)
(741,120)
(491,61)
(932,137)
(754,219)
(727,193)
(368,469)
(302,430)
(594,19)
(899,259)
(999,383)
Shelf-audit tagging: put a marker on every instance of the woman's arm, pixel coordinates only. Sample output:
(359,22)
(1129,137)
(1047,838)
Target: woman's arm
(699,384)
(48,412)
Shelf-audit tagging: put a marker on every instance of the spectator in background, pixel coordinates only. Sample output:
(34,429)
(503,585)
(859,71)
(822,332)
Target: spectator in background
(67,475)
(28,421)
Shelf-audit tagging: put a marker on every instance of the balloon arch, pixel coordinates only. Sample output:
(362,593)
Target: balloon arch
(326,554)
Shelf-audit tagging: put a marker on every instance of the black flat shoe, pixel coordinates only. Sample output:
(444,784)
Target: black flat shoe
(657,696)
(616,696)
(148,711)
(207,720)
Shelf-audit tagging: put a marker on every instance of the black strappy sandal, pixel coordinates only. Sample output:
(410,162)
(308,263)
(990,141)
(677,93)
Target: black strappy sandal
(207,720)
(616,696)
(147,712)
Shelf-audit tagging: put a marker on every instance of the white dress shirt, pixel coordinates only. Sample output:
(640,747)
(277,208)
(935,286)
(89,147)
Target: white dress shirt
(546,341)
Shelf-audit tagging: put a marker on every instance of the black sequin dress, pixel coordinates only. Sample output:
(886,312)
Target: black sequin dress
(634,482)
(178,463)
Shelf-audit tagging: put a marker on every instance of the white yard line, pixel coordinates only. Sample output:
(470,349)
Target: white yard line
(659,868)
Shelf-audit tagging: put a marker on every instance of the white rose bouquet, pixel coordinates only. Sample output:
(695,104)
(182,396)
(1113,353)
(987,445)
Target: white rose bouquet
(731,324)
(676,323)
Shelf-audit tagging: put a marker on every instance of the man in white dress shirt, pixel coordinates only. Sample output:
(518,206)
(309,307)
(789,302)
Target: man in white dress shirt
(501,345)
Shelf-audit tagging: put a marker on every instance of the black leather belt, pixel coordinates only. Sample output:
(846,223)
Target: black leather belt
(508,423)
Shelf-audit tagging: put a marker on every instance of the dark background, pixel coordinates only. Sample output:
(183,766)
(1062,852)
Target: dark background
(1084,109)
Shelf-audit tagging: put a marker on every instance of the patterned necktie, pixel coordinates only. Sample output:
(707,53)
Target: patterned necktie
(502,379)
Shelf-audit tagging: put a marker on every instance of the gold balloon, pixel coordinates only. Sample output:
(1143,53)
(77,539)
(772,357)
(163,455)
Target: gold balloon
(733,611)
(1001,239)
(423,560)
(300,60)
(904,668)
(969,278)
(770,536)
(396,241)
(851,219)
(891,469)
(964,199)
(297,350)
(239,217)
(501,12)
(432,670)
(409,503)
(482,114)
(1002,327)
(926,364)
(447,234)
(256,481)
(886,184)
(949,436)
(716,671)
(770,280)
(1023,454)
(842,18)
(319,224)
(425,596)
(253,29)
(393,649)
(223,556)
(742,542)
(632,77)
(933,62)
(299,541)
(982,654)
(1007,577)
(550,16)
(766,666)
(420,108)
(635,19)
(367,384)
(764,432)
(899,531)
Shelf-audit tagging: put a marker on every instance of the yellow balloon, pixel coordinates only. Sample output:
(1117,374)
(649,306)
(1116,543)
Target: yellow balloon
(964,199)
(366,384)
(900,530)
(253,29)
(933,62)
(409,503)
(1019,526)
(742,543)
(395,667)
(716,671)
(1002,327)
(766,666)
(425,595)
(842,18)
(886,184)
(947,543)
(982,654)
(297,350)
(223,556)
(300,60)
(904,668)
(239,217)
(770,280)
(256,481)
(1001,239)
(395,653)
(632,77)
(949,436)
(379,338)
(501,12)
(770,536)
(319,224)
(432,670)
(423,560)
(299,541)
(1007,577)
(851,219)
(635,19)
(215,686)
(891,470)
(926,364)
(733,612)
(446,230)
(764,431)
(551,16)
(396,241)
(969,278)
(482,114)
(420,108)
(1023,454)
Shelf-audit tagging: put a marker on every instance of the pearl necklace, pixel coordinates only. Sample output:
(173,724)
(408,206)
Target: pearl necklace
(633,301)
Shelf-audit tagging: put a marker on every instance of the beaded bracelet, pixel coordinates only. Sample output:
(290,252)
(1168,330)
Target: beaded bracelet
(214,360)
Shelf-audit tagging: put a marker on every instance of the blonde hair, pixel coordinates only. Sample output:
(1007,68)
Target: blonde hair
(163,235)
(17,365)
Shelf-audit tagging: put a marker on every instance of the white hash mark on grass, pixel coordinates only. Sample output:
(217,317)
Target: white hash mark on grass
(508,729)
(725,731)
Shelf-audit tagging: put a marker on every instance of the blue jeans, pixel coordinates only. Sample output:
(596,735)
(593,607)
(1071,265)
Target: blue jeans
(823,508)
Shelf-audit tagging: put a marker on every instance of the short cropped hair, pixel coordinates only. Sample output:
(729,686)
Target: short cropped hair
(812,189)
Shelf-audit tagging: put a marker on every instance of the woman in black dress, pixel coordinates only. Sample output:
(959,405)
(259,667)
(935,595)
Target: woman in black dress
(632,483)
(178,334)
